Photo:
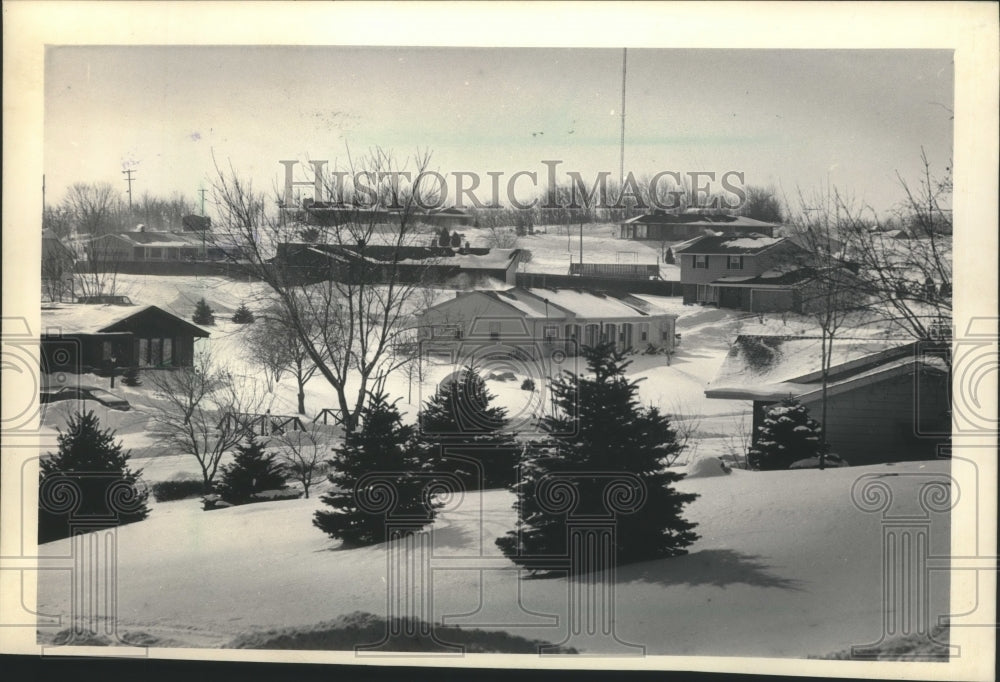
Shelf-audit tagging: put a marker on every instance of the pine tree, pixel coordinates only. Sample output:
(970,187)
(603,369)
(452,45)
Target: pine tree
(444,237)
(459,422)
(131,377)
(203,313)
(786,435)
(601,427)
(243,315)
(94,466)
(383,446)
(252,470)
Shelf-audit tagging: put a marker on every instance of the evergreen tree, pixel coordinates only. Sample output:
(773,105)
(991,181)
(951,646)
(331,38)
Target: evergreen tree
(384,446)
(243,315)
(600,427)
(786,435)
(444,237)
(95,467)
(252,470)
(459,422)
(203,313)
(456,240)
(131,377)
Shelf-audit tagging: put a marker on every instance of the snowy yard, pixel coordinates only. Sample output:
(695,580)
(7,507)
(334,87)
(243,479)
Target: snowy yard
(787,565)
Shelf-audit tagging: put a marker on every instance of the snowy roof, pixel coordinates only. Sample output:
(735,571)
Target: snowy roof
(83,318)
(774,277)
(560,303)
(734,244)
(588,304)
(774,367)
(162,239)
(697,219)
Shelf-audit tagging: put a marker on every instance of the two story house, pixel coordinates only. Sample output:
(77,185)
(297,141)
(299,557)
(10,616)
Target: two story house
(753,272)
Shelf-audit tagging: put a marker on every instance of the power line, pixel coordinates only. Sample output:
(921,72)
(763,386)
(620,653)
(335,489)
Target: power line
(128,178)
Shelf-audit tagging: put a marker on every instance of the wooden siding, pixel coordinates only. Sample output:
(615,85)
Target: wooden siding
(878,422)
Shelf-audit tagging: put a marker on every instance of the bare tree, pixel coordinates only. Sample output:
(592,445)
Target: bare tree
(909,275)
(99,262)
(199,411)
(832,294)
(349,300)
(274,343)
(762,203)
(304,454)
(94,208)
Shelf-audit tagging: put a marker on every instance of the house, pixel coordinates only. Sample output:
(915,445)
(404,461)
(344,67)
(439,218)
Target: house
(662,226)
(887,400)
(376,263)
(153,247)
(754,272)
(445,217)
(541,322)
(58,261)
(79,338)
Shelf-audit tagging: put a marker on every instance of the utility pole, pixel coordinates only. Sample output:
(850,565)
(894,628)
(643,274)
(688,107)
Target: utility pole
(621,167)
(128,178)
(202,192)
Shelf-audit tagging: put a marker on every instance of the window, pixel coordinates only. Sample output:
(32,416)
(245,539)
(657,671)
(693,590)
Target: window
(168,352)
(106,351)
(494,330)
(154,252)
(700,262)
(735,263)
(447,331)
(551,333)
(155,352)
(644,331)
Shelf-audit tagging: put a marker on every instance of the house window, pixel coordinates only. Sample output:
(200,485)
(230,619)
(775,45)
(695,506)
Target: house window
(551,333)
(155,352)
(106,351)
(154,252)
(700,262)
(447,331)
(735,263)
(143,359)
(494,330)
(644,331)
(168,352)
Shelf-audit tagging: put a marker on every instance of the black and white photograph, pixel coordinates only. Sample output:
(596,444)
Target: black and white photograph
(583,335)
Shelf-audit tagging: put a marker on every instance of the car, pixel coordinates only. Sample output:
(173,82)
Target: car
(98,395)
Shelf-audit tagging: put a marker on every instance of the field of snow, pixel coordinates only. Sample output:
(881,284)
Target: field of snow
(787,566)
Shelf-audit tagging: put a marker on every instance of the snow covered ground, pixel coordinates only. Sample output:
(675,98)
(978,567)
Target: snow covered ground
(787,565)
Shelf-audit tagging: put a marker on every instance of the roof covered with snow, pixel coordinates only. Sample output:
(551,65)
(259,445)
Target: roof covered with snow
(774,367)
(83,318)
(732,244)
(560,303)
(698,219)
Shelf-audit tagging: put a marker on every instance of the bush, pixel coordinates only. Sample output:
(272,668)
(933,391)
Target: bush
(203,313)
(91,471)
(601,428)
(788,434)
(528,385)
(463,433)
(382,446)
(253,470)
(131,377)
(167,491)
(243,315)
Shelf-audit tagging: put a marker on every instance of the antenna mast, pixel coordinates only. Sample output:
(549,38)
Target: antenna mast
(621,167)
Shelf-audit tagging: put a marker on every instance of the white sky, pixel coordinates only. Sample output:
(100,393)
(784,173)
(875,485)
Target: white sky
(792,118)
